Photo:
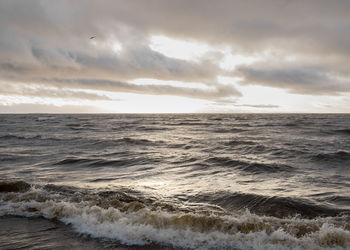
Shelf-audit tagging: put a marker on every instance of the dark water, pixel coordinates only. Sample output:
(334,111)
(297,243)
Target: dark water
(203,181)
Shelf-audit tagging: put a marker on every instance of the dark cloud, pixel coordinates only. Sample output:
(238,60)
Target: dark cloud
(139,62)
(300,79)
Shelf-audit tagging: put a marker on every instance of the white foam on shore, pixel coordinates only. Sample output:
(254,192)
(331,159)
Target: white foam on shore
(144,226)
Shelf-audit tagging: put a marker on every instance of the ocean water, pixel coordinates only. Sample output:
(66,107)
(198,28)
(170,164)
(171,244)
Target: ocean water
(175,181)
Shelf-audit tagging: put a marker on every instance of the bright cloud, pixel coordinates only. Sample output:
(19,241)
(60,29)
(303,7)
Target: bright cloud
(180,49)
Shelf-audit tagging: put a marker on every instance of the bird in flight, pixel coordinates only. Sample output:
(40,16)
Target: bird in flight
(92,37)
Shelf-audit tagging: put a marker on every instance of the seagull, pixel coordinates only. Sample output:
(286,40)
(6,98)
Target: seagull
(92,37)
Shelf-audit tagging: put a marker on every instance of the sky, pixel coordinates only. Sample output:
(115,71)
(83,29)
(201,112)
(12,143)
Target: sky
(166,56)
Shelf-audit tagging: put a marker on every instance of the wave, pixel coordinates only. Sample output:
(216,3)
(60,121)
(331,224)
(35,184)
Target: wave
(267,205)
(339,200)
(217,119)
(153,128)
(185,160)
(126,141)
(11,157)
(251,167)
(82,126)
(98,162)
(19,137)
(343,131)
(189,123)
(46,118)
(132,221)
(138,141)
(229,130)
(261,149)
(239,143)
(292,124)
(73,125)
(339,156)
(30,137)
(17,186)
(180,145)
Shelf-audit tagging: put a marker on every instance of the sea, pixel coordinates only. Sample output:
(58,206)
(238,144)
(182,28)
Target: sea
(175,181)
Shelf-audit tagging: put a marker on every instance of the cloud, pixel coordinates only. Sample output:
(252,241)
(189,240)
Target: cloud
(47,108)
(301,79)
(35,90)
(52,41)
(139,62)
(214,92)
(45,40)
(267,106)
(313,25)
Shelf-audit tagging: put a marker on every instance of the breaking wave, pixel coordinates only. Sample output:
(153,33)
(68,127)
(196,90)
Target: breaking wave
(131,219)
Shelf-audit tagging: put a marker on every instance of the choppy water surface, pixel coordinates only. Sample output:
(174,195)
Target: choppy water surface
(238,181)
